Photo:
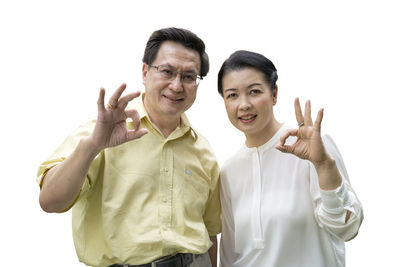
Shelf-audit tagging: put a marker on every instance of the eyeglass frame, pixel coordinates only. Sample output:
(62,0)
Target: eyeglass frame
(176,72)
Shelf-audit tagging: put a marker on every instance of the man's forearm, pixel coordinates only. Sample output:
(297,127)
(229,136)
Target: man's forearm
(62,183)
(213,251)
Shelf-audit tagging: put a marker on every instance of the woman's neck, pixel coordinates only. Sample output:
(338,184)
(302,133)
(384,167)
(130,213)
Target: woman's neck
(262,137)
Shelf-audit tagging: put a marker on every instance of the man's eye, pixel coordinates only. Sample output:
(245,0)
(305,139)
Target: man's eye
(189,77)
(167,72)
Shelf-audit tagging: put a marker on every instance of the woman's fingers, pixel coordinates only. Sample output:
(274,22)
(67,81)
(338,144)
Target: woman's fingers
(299,113)
(307,114)
(290,132)
(318,120)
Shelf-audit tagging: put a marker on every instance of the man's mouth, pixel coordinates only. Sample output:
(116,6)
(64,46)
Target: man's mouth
(174,99)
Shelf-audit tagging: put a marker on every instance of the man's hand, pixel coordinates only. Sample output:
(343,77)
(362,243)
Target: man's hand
(110,129)
(62,183)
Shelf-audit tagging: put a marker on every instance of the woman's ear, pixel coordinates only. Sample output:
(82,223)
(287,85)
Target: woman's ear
(275,95)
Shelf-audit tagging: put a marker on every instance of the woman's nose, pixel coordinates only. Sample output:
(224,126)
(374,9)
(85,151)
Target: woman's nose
(244,104)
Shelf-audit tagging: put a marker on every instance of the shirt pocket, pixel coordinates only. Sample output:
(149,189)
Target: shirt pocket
(195,192)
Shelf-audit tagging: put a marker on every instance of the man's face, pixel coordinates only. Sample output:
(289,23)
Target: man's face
(167,99)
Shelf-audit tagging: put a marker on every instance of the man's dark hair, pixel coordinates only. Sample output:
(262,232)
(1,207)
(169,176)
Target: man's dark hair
(245,59)
(181,36)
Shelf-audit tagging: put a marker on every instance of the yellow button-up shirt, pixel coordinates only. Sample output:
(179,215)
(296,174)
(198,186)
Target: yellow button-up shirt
(144,199)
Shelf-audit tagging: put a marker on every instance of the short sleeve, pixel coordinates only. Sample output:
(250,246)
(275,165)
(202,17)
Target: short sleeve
(64,150)
(212,214)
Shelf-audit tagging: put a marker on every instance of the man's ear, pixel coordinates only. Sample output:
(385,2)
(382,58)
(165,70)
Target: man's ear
(145,70)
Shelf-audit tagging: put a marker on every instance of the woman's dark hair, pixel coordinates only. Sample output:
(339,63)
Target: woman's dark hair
(181,36)
(245,59)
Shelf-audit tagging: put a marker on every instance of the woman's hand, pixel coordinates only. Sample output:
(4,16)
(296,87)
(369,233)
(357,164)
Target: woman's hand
(309,146)
(110,129)
(309,143)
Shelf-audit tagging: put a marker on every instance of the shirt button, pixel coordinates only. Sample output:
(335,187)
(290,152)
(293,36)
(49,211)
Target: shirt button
(166,169)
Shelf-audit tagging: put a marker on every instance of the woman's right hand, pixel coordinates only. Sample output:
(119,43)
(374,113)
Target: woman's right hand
(110,129)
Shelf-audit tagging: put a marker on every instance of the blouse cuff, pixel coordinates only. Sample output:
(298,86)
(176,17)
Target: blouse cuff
(333,201)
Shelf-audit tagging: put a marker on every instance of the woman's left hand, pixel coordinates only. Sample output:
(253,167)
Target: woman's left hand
(309,143)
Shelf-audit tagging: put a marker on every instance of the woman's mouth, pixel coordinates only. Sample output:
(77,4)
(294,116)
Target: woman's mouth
(247,118)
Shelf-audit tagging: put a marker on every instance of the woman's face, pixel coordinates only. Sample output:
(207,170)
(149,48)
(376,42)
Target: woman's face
(249,101)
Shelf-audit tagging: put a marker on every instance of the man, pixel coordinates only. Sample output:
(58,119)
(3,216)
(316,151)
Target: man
(143,192)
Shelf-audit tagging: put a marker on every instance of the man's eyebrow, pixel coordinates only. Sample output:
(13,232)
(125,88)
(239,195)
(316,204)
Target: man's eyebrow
(191,71)
(186,71)
(168,65)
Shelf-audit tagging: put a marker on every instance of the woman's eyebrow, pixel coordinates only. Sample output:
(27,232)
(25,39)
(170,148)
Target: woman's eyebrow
(253,84)
(230,89)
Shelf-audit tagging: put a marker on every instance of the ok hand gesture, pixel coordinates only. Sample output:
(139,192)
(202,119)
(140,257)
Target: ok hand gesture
(309,143)
(110,129)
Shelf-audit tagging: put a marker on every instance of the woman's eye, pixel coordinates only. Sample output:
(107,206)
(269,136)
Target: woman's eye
(255,91)
(231,95)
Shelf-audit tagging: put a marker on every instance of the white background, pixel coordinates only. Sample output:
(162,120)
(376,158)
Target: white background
(55,55)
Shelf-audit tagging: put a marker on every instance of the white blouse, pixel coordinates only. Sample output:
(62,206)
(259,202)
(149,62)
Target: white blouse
(275,214)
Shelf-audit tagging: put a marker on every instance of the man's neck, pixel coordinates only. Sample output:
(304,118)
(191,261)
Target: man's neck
(166,126)
(165,123)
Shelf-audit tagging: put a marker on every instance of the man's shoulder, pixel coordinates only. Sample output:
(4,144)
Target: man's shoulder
(203,148)
(88,126)
(200,139)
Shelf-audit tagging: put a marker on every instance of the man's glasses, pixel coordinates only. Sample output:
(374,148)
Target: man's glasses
(169,73)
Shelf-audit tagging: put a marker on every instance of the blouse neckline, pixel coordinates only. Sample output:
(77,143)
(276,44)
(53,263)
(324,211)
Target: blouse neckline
(269,144)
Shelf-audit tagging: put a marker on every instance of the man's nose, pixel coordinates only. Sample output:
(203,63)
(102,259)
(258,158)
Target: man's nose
(176,83)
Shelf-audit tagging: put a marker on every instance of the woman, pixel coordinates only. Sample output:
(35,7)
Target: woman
(286,197)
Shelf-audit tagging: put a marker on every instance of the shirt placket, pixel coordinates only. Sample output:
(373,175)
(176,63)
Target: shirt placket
(166,186)
(256,208)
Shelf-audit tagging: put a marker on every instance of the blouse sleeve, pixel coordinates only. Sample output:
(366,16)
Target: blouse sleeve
(227,248)
(330,207)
